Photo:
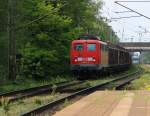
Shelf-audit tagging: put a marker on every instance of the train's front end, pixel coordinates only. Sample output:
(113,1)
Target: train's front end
(85,55)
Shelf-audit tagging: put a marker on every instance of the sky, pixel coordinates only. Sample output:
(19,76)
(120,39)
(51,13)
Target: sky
(135,29)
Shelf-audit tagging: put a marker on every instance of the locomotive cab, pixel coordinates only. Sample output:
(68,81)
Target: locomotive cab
(85,55)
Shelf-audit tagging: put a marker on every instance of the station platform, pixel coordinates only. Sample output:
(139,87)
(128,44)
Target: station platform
(110,103)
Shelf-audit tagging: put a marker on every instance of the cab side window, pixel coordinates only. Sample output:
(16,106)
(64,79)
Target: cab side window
(106,48)
(103,47)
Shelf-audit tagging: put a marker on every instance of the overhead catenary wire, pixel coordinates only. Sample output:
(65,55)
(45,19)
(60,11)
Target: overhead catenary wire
(125,17)
(130,9)
(122,23)
(134,1)
(117,2)
(122,11)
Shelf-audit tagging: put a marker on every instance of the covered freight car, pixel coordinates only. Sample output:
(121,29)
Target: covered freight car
(119,57)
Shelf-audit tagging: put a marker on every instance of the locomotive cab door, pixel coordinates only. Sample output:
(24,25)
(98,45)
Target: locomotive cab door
(78,52)
(104,55)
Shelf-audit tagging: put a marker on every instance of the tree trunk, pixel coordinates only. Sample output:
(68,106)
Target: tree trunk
(11,40)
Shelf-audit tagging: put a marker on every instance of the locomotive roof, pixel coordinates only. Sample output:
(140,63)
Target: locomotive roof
(110,45)
(93,38)
(88,37)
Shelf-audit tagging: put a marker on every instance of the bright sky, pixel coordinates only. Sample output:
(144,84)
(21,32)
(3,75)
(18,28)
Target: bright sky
(129,29)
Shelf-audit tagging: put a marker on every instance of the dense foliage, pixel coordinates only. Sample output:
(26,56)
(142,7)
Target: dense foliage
(45,29)
(145,57)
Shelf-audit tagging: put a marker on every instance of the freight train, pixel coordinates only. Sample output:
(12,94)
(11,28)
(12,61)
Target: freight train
(90,54)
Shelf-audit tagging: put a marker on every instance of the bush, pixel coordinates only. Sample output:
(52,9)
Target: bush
(38,63)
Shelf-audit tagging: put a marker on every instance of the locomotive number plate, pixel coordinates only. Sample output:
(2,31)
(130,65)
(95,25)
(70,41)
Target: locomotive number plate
(84,62)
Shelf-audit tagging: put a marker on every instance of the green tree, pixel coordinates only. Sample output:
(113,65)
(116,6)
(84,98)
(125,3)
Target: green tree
(45,29)
(47,41)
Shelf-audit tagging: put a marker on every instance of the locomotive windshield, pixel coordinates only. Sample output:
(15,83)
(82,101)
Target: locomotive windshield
(91,47)
(79,47)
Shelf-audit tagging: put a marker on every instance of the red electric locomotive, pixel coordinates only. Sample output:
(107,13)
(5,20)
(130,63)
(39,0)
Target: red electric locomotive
(89,53)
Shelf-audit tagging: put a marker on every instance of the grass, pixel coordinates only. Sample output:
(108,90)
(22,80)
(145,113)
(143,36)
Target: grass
(22,83)
(21,106)
(143,83)
(66,103)
(54,87)
(38,101)
(111,77)
(4,102)
(28,83)
(90,83)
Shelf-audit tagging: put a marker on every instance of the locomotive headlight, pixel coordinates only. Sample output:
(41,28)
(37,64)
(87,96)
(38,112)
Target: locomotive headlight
(75,60)
(80,59)
(94,60)
(91,59)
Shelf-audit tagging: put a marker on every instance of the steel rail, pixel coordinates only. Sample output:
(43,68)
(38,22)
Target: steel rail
(29,89)
(20,94)
(89,90)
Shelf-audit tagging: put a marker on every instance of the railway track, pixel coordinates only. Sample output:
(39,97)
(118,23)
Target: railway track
(30,92)
(20,94)
(115,83)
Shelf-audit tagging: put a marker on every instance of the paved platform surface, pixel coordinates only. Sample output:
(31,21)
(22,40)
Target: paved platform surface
(110,103)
